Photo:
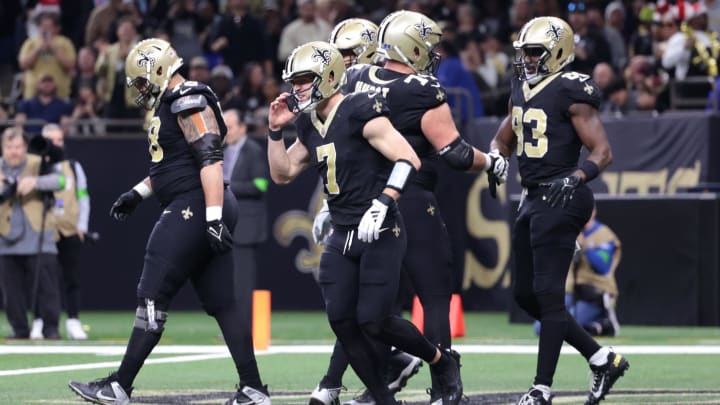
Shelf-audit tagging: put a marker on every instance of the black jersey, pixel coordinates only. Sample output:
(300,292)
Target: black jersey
(409,96)
(353,172)
(547,144)
(174,170)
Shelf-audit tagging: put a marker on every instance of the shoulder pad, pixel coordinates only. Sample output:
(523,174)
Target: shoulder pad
(580,88)
(190,102)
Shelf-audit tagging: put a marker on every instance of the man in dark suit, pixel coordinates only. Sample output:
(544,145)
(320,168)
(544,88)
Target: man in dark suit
(246,170)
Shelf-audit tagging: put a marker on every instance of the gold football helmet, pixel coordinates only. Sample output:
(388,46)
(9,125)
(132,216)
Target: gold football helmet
(356,37)
(409,37)
(149,67)
(550,44)
(324,63)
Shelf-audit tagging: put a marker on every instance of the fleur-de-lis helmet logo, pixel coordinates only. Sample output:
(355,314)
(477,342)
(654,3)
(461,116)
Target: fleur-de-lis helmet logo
(555,33)
(423,29)
(321,55)
(145,58)
(368,36)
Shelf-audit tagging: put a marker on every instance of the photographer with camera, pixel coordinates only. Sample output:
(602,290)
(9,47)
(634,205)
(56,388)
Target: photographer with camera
(72,212)
(28,256)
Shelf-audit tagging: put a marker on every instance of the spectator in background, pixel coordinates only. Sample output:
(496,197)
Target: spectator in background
(239,38)
(602,75)
(245,168)
(642,39)
(221,81)
(72,213)
(520,13)
(102,21)
(467,19)
(713,12)
(667,26)
(184,27)
(307,27)
(613,36)
(452,73)
(591,47)
(28,255)
(617,98)
(49,54)
(45,106)
(646,83)
(86,112)
(85,73)
(119,99)
(251,87)
(690,52)
(199,70)
(9,20)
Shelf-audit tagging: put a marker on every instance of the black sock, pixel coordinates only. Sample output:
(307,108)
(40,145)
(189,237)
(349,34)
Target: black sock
(580,339)
(401,333)
(238,338)
(436,323)
(336,368)
(554,322)
(362,358)
(138,349)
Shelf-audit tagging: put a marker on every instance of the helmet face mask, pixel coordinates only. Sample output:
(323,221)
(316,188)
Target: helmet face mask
(319,64)
(544,47)
(410,38)
(148,68)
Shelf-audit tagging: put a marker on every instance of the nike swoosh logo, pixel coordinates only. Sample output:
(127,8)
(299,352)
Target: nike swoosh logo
(183,91)
(166,212)
(383,229)
(101,396)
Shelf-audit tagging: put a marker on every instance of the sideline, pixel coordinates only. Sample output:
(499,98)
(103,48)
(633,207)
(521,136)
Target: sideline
(190,353)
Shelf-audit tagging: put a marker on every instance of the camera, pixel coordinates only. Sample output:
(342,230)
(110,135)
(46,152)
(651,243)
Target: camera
(9,188)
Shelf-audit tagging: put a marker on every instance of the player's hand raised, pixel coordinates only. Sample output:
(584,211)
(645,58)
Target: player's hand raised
(125,205)
(280,114)
(561,189)
(219,236)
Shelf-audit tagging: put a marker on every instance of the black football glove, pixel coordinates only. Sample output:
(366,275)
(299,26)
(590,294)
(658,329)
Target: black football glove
(219,236)
(561,189)
(125,205)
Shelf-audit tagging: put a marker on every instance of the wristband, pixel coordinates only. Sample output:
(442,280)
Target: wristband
(275,135)
(143,190)
(386,199)
(590,169)
(213,213)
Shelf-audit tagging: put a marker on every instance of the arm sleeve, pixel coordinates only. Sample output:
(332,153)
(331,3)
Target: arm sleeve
(83,198)
(601,257)
(50,182)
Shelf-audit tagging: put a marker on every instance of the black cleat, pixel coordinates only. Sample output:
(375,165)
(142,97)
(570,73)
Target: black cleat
(447,374)
(605,376)
(534,397)
(401,367)
(247,395)
(365,398)
(104,391)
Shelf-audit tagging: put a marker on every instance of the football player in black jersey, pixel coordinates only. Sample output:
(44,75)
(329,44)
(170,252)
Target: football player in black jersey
(185,136)
(419,111)
(365,165)
(553,114)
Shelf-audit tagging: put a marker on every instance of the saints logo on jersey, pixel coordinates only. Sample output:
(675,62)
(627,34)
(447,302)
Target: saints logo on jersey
(377,106)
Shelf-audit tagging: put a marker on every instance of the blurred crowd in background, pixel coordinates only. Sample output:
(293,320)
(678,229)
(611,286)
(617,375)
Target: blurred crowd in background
(61,61)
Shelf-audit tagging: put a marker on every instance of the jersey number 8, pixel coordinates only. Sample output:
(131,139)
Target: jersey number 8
(156,151)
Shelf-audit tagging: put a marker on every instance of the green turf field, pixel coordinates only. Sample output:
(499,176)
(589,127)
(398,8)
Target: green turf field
(205,374)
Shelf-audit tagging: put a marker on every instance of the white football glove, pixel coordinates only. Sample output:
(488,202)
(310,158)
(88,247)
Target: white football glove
(499,165)
(321,228)
(372,220)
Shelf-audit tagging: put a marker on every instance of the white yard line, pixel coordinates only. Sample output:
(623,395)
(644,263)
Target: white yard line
(208,352)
